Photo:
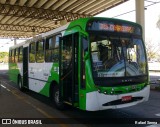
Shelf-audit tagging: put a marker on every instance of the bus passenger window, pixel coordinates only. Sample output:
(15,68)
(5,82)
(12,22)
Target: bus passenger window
(67,52)
(32,52)
(10,56)
(56,49)
(20,57)
(16,55)
(57,41)
(40,52)
(48,49)
(13,52)
(52,49)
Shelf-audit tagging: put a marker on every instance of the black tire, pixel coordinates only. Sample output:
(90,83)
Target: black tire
(20,84)
(55,98)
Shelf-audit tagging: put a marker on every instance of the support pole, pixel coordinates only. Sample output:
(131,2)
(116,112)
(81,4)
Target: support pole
(15,41)
(140,15)
(33,33)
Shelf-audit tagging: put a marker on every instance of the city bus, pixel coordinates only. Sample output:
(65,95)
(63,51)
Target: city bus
(91,63)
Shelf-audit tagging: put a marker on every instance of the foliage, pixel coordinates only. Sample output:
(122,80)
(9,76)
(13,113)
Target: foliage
(157,88)
(158,23)
(4,57)
(152,50)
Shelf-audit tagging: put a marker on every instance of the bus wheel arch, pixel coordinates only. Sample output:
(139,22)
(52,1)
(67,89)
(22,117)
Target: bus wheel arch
(54,95)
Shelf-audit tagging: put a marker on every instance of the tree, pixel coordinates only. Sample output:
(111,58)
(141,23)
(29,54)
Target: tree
(158,23)
(152,50)
(4,57)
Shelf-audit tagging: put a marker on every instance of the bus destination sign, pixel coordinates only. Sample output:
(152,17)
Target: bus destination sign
(116,28)
(113,27)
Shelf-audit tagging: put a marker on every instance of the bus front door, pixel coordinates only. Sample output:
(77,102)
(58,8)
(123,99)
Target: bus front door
(69,69)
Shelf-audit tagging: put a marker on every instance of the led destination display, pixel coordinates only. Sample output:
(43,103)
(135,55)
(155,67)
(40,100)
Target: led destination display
(113,27)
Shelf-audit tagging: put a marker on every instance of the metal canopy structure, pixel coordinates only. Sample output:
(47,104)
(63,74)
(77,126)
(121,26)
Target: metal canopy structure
(23,18)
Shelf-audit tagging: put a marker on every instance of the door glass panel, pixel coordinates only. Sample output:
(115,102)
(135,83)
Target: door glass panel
(69,67)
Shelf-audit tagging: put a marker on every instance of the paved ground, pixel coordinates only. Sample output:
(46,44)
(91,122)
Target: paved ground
(15,104)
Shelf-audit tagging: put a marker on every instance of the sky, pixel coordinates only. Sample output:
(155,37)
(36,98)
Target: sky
(152,14)
(6,43)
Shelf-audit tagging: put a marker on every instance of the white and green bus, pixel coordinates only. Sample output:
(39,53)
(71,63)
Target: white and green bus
(90,63)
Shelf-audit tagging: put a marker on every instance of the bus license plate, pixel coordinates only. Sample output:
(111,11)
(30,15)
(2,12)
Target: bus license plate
(127,98)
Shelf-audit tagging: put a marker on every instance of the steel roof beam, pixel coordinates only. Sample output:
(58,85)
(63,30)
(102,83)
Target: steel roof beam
(18,18)
(37,13)
(49,4)
(22,28)
(11,35)
(40,3)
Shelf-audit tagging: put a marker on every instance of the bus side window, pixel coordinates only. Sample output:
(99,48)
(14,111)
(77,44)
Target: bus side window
(32,52)
(56,49)
(40,51)
(20,57)
(13,53)
(48,49)
(16,55)
(10,56)
(52,49)
(67,53)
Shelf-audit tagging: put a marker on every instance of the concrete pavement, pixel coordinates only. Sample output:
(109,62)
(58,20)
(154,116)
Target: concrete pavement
(16,104)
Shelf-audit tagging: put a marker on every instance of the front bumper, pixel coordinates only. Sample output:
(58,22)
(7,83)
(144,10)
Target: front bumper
(95,100)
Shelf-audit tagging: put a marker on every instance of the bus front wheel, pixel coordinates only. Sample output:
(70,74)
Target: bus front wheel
(55,97)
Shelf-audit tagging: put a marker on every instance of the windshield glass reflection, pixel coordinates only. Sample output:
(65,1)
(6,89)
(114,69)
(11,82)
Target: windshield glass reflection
(117,56)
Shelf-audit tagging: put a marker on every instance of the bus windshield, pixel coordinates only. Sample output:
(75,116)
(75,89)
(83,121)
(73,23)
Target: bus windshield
(117,56)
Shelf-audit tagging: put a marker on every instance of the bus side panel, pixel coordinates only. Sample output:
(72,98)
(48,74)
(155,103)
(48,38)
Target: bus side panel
(54,76)
(15,69)
(41,75)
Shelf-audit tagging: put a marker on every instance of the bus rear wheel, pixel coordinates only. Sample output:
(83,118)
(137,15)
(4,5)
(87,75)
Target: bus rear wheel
(55,98)
(20,84)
